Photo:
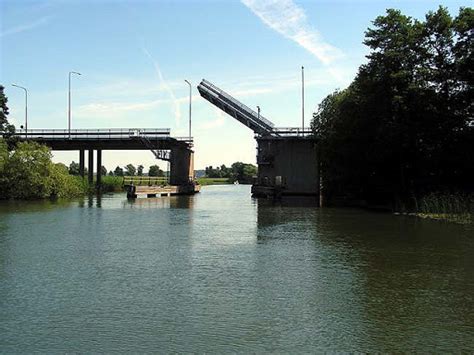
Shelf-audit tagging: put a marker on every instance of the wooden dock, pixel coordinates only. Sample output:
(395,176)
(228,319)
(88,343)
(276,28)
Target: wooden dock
(156,191)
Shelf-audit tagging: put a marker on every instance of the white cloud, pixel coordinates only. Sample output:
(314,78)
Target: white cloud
(217,122)
(166,86)
(25,27)
(290,20)
(114,108)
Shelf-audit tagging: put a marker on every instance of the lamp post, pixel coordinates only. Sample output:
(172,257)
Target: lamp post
(26,108)
(190,98)
(69,103)
(302,98)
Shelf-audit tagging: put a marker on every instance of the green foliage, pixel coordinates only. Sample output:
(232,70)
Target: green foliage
(74,168)
(456,207)
(213,181)
(130,170)
(404,126)
(118,171)
(140,170)
(29,173)
(155,171)
(5,128)
(112,183)
(65,185)
(237,172)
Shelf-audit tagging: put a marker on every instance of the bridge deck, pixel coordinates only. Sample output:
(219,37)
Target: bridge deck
(105,139)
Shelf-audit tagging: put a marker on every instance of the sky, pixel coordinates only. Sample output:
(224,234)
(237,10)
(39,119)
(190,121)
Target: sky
(135,55)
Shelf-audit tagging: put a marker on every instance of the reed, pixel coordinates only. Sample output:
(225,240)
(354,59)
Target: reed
(455,207)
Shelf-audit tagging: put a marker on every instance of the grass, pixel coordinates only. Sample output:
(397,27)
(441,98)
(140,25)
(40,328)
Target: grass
(112,183)
(212,181)
(452,207)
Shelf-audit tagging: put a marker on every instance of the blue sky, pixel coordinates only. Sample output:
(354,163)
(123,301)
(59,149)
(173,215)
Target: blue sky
(135,55)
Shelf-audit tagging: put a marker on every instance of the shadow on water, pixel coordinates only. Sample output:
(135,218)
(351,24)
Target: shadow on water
(395,272)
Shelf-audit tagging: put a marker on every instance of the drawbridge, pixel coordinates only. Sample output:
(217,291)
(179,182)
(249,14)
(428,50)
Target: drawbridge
(244,114)
(286,157)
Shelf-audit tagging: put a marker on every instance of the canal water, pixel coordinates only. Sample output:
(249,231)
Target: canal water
(220,272)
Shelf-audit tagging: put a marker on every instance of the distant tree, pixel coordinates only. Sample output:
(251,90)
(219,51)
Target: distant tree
(130,170)
(5,127)
(155,171)
(111,173)
(243,172)
(118,171)
(74,168)
(103,170)
(140,170)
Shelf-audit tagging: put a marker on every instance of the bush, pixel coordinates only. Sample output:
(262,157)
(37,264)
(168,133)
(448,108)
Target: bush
(112,183)
(28,173)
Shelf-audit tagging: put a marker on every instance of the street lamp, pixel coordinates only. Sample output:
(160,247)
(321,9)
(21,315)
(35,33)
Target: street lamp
(302,98)
(190,93)
(69,103)
(26,108)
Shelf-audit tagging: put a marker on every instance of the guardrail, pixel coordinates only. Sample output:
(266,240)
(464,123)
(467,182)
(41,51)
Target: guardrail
(293,131)
(114,133)
(145,180)
(238,103)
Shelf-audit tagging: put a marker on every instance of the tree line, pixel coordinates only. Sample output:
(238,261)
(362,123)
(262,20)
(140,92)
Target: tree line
(405,125)
(238,171)
(128,170)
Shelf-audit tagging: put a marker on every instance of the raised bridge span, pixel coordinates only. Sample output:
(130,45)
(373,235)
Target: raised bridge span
(176,150)
(286,157)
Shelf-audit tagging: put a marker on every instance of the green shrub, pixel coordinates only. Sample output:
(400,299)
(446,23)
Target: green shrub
(112,183)
(27,172)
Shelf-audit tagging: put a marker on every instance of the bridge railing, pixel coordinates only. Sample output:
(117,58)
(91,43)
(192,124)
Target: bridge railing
(145,180)
(294,131)
(239,104)
(113,133)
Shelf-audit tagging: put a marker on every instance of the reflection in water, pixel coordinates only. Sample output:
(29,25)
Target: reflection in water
(220,271)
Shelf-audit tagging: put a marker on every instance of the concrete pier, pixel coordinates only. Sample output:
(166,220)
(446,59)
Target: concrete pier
(91,167)
(286,166)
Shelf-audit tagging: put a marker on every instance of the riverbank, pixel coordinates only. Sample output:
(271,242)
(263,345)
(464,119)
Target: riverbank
(213,181)
(451,207)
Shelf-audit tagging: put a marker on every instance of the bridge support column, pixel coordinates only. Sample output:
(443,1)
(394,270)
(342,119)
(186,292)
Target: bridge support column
(91,166)
(81,163)
(180,166)
(99,168)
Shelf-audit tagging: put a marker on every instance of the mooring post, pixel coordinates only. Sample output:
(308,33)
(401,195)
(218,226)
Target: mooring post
(91,166)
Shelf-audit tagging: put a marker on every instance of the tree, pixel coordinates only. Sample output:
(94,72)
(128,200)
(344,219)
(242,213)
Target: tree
(140,170)
(103,170)
(130,170)
(29,173)
(403,126)
(118,171)
(243,172)
(111,173)
(155,171)
(5,127)
(74,168)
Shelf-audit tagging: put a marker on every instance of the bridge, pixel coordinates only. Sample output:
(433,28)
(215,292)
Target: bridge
(286,157)
(177,151)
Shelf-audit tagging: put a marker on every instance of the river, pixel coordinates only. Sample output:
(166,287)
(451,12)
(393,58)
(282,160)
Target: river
(220,272)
